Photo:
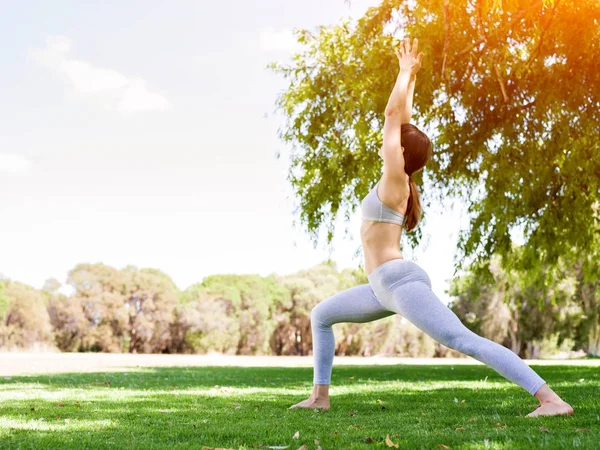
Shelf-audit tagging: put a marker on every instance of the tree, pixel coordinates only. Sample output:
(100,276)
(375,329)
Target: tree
(128,310)
(24,322)
(3,298)
(69,322)
(51,285)
(509,95)
(511,310)
(99,290)
(588,296)
(244,303)
(150,298)
(306,289)
(205,324)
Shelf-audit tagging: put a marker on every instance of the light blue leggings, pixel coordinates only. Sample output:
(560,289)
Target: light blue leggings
(402,287)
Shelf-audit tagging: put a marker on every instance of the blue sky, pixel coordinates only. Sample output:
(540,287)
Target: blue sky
(142,132)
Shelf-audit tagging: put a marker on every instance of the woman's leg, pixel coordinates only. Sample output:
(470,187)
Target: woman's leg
(414,300)
(417,302)
(358,305)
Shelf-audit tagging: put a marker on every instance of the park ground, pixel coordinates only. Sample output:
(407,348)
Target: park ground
(78,401)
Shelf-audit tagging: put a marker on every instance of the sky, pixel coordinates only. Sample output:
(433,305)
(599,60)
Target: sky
(144,133)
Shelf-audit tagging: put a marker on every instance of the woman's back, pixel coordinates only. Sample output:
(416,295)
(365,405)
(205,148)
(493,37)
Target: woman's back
(383,212)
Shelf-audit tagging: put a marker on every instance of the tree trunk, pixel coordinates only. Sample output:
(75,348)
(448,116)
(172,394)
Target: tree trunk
(513,332)
(594,340)
(591,304)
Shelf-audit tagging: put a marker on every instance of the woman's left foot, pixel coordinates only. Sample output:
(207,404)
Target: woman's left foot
(553,408)
(312,403)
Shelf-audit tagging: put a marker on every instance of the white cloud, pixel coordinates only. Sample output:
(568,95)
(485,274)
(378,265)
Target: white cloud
(114,90)
(138,98)
(271,40)
(13,163)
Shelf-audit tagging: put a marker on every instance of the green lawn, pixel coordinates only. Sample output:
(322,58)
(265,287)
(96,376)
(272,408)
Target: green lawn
(423,406)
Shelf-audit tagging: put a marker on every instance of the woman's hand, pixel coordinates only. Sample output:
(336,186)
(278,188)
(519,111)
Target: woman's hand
(408,58)
(401,99)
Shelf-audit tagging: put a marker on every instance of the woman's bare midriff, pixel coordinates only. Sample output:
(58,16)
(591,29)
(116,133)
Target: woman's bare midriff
(380,242)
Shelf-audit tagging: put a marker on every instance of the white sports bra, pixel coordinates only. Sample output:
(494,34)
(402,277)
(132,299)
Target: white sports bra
(374,210)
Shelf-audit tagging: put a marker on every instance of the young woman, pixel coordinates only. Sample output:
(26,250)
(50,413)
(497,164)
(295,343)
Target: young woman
(398,286)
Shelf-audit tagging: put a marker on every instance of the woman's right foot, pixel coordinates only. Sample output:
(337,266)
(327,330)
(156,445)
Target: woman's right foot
(312,403)
(552,408)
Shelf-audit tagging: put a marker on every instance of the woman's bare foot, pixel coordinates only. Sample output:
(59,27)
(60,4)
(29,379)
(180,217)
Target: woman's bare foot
(318,399)
(552,408)
(312,403)
(550,404)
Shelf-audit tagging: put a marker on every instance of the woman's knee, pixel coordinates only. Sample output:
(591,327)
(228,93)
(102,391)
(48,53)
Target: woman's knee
(318,315)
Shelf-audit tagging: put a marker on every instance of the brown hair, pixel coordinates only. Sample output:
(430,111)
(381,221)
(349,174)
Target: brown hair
(417,151)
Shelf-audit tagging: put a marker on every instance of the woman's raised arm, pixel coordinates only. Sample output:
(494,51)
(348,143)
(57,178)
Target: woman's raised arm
(401,99)
(399,106)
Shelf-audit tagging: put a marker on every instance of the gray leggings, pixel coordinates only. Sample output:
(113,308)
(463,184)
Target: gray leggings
(401,287)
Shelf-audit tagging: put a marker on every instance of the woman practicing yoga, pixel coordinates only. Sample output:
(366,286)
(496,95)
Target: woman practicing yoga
(398,286)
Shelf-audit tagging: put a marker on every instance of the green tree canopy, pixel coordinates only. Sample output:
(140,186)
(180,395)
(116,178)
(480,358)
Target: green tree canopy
(509,93)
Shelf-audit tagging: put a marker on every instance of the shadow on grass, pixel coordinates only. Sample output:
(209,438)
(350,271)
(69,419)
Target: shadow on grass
(422,405)
(286,377)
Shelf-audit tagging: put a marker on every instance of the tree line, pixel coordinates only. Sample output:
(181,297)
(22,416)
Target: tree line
(142,311)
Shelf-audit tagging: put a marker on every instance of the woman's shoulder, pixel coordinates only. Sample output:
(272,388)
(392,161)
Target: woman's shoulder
(394,192)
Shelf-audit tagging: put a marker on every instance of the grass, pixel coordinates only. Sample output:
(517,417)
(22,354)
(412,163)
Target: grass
(419,407)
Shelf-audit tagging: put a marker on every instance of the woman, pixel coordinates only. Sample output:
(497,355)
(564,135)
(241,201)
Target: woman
(398,286)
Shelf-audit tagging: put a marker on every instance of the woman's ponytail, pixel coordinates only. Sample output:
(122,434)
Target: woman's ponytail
(413,210)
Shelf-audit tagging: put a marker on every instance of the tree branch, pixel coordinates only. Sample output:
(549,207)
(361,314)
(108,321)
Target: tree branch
(446,36)
(499,77)
(539,47)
